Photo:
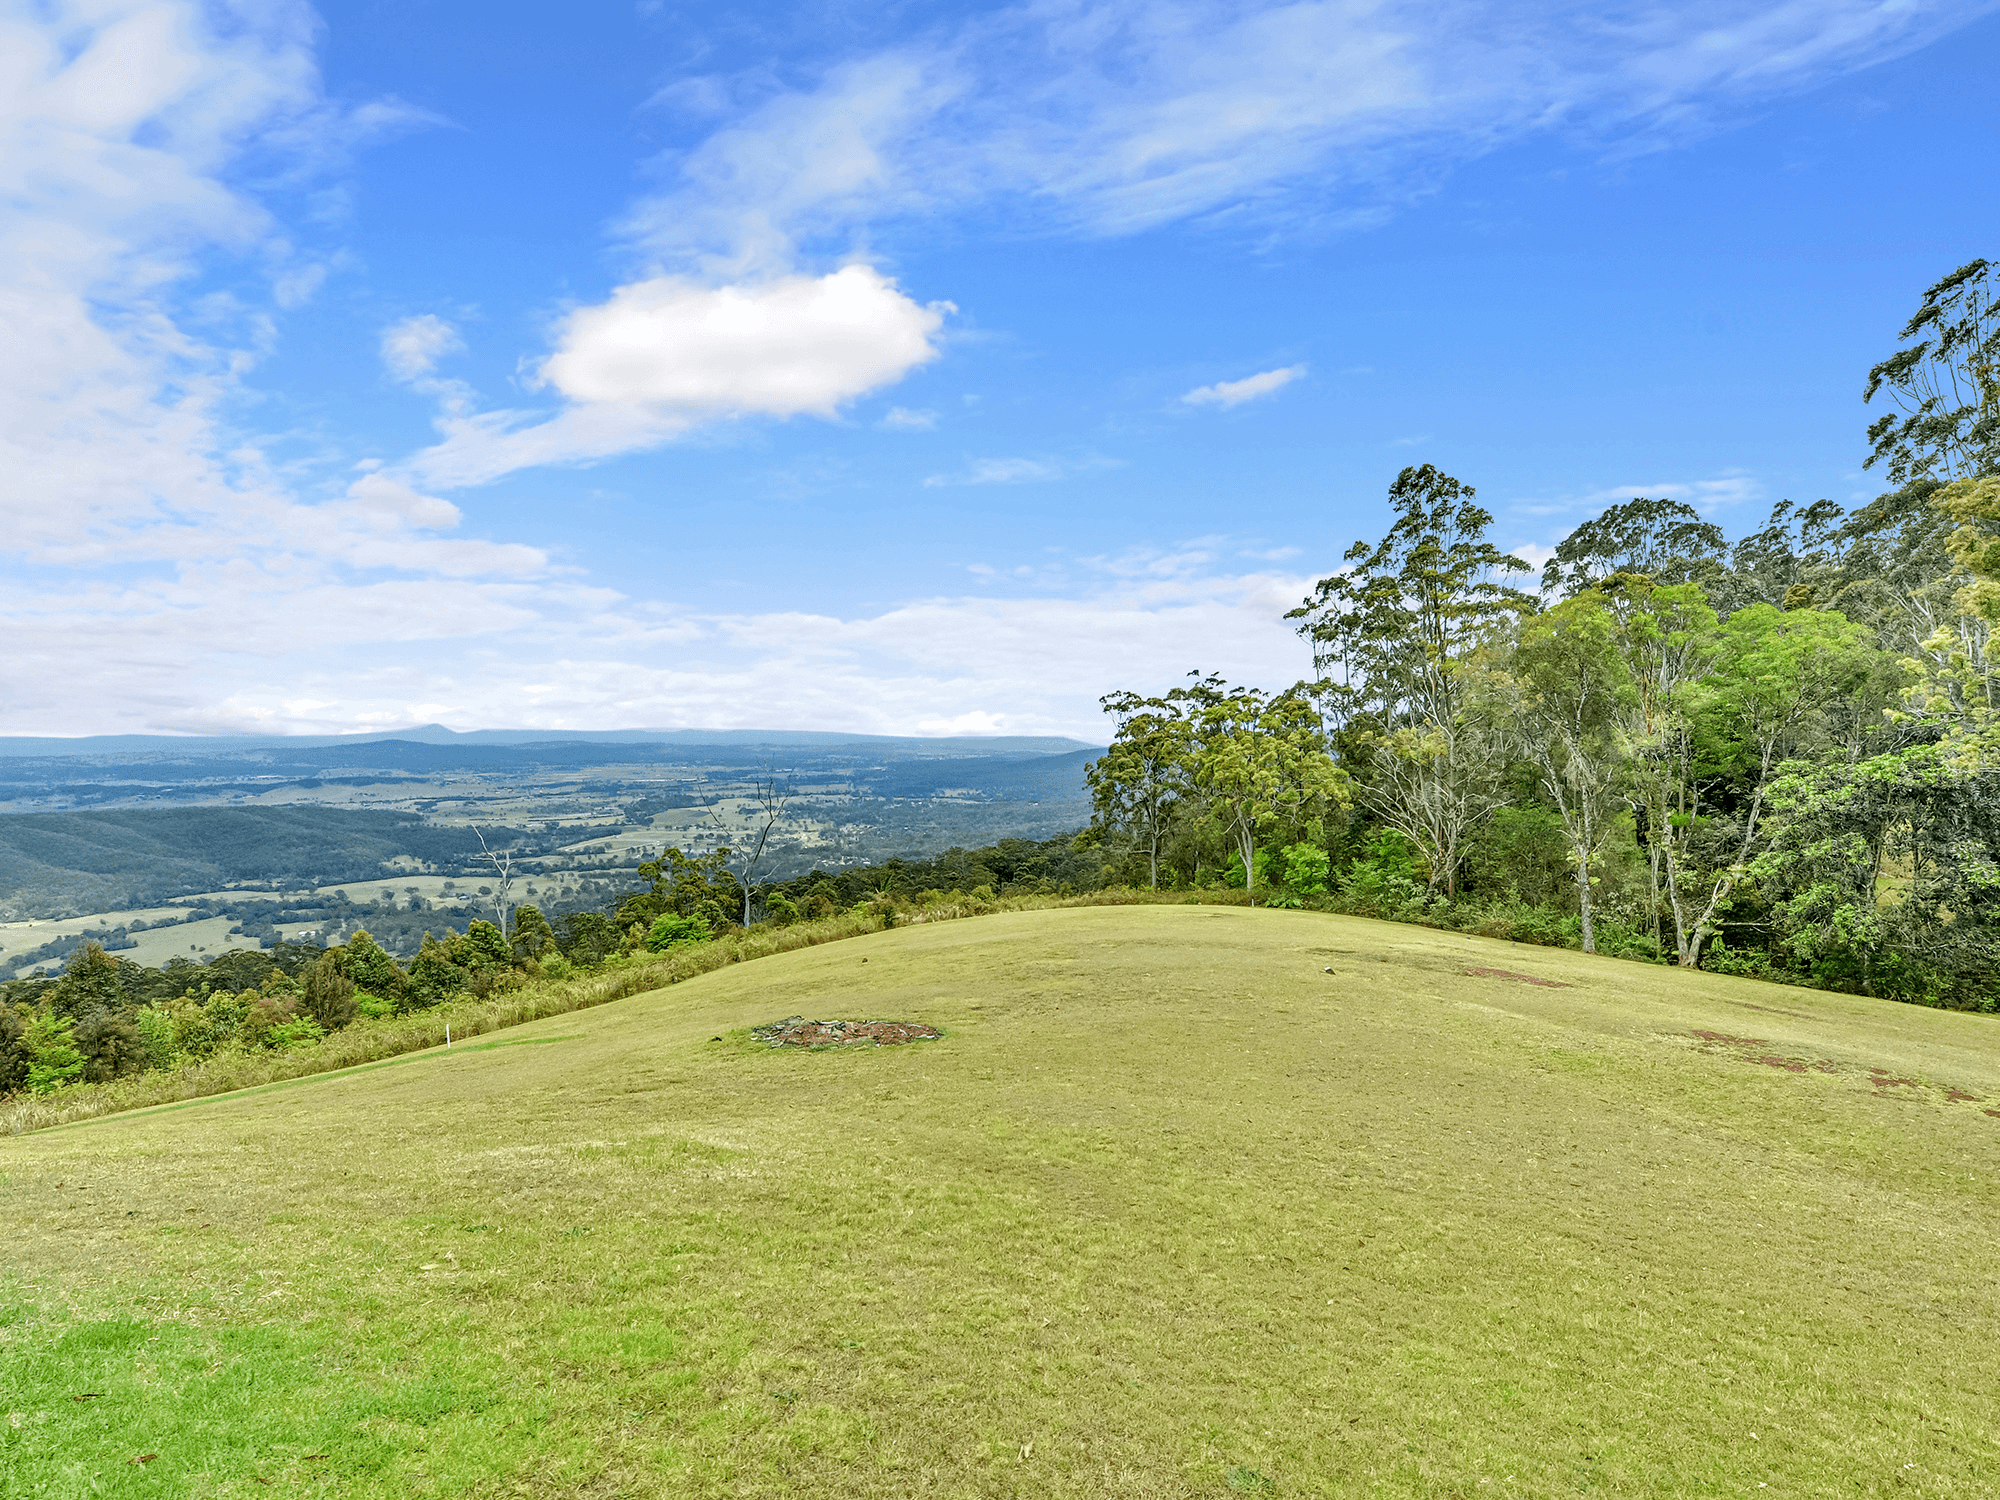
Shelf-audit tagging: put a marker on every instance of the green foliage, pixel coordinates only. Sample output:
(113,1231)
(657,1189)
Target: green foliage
(111,1045)
(531,934)
(328,994)
(1308,871)
(484,946)
(14,1054)
(1946,382)
(299,1030)
(669,932)
(434,977)
(53,1056)
(372,969)
(90,983)
(374,1007)
(587,937)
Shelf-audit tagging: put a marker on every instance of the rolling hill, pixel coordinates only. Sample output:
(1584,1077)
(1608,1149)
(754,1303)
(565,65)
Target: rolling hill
(1186,1201)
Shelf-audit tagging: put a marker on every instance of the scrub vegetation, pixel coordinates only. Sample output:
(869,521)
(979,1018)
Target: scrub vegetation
(1188,1200)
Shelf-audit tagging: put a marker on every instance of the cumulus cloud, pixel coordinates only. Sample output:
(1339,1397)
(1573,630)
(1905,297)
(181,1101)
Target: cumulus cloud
(412,348)
(667,354)
(1228,393)
(790,345)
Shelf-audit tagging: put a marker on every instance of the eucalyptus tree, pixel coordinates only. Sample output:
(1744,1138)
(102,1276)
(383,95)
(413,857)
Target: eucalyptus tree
(770,800)
(1144,780)
(1258,760)
(1776,674)
(1664,541)
(1667,640)
(1395,635)
(1570,688)
(1945,383)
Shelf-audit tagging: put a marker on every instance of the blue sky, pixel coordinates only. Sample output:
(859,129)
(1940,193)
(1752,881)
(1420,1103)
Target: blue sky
(934,369)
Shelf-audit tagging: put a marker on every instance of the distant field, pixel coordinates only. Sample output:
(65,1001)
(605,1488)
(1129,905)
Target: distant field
(1169,1211)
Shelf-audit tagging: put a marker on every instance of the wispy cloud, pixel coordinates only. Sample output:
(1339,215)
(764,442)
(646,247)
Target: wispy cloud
(903,419)
(1020,470)
(1087,117)
(1228,393)
(1706,495)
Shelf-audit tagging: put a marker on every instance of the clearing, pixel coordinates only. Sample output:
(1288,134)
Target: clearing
(1168,1210)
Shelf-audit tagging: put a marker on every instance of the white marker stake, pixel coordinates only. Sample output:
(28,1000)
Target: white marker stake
(447,1036)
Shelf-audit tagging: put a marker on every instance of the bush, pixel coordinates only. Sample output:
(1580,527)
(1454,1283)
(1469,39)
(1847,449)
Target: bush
(13,1050)
(373,1006)
(111,1045)
(53,1058)
(300,1030)
(669,932)
(329,994)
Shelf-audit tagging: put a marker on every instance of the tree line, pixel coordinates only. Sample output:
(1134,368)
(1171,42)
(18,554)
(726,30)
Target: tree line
(105,1017)
(1779,755)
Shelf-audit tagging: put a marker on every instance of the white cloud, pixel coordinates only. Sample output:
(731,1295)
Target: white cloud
(1089,117)
(668,354)
(412,348)
(245,651)
(1705,495)
(1000,471)
(903,419)
(1228,393)
(778,348)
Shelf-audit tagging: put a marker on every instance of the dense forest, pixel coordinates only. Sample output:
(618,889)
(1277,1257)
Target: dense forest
(1779,756)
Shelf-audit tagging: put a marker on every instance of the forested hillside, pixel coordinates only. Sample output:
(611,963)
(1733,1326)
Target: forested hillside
(1778,755)
(62,862)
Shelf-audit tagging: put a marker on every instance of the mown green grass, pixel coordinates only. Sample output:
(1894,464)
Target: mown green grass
(1169,1211)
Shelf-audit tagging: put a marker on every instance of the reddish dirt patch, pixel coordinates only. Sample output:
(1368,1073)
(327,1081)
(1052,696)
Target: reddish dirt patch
(1881,1079)
(1959,1096)
(1547,984)
(1749,1048)
(797,1031)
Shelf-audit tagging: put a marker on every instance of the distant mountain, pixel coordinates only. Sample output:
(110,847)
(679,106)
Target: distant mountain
(897,746)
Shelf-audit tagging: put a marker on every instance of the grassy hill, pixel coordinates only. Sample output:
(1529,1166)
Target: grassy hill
(1169,1211)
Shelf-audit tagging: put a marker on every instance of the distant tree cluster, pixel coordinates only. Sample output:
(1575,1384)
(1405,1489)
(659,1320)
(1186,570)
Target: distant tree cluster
(1776,756)
(105,1017)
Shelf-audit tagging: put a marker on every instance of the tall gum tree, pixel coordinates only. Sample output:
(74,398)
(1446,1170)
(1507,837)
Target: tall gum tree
(1260,761)
(1394,638)
(1142,782)
(1569,689)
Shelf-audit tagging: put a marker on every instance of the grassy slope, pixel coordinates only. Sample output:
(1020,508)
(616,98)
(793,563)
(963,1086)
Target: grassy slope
(1170,1211)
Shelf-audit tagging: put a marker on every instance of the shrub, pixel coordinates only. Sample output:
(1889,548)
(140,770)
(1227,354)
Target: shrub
(13,1050)
(53,1058)
(329,994)
(1307,871)
(669,932)
(373,1006)
(299,1030)
(111,1045)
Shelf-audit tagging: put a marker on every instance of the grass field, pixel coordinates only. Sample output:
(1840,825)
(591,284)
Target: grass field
(1169,1211)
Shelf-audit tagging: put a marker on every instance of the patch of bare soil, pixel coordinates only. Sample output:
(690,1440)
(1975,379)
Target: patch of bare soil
(797,1031)
(1752,1049)
(1547,984)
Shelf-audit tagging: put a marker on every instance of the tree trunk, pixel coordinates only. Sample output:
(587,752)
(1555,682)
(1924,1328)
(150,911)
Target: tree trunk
(1583,901)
